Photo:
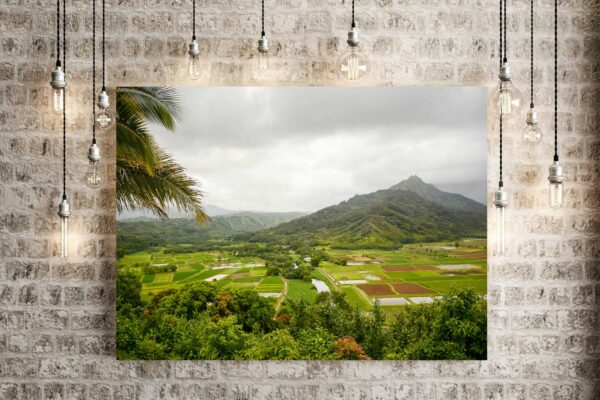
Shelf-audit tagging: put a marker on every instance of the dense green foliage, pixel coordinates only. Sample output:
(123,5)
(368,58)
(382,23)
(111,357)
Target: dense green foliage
(201,321)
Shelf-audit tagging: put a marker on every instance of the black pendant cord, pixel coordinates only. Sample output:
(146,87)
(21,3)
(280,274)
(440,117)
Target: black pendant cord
(64,59)
(555,80)
(531,44)
(353,23)
(64,101)
(193,19)
(500,48)
(262,30)
(103,45)
(58,33)
(505,59)
(94,70)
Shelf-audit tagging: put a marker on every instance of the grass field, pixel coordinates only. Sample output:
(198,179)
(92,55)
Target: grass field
(413,270)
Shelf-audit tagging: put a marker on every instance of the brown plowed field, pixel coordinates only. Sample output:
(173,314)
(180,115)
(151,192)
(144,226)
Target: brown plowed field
(415,268)
(410,288)
(377,289)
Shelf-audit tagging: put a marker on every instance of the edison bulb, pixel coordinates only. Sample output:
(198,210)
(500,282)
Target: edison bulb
(93,175)
(501,202)
(58,99)
(507,100)
(354,65)
(104,119)
(263,60)
(64,211)
(58,85)
(194,60)
(194,67)
(532,133)
(556,179)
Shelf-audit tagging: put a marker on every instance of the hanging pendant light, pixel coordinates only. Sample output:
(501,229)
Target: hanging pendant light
(354,65)
(263,43)
(506,98)
(103,118)
(500,195)
(193,50)
(58,82)
(93,176)
(555,176)
(64,209)
(532,132)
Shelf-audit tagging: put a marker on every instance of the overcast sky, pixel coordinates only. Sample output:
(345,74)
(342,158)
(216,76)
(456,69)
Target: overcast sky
(302,149)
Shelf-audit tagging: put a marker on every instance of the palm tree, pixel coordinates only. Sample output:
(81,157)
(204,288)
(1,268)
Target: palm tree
(147,177)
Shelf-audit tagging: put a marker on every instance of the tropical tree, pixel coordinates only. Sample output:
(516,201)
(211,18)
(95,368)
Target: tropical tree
(147,177)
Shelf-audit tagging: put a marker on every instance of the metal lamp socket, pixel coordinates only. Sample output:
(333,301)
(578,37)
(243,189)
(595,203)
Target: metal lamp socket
(64,210)
(103,100)
(58,78)
(532,117)
(504,74)
(555,173)
(352,38)
(263,45)
(500,198)
(94,153)
(193,48)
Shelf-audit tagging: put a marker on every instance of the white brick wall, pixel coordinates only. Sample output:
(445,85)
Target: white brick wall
(56,318)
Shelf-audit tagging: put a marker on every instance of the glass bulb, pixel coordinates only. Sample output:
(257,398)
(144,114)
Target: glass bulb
(104,119)
(500,237)
(556,194)
(507,100)
(354,65)
(58,98)
(194,66)
(263,60)
(93,175)
(532,133)
(64,236)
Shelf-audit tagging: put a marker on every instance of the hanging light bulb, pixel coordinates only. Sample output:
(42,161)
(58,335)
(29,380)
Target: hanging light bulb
(532,132)
(64,211)
(353,64)
(58,84)
(506,99)
(104,118)
(93,175)
(194,60)
(193,50)
(501,202)
(556,178)
(263,53)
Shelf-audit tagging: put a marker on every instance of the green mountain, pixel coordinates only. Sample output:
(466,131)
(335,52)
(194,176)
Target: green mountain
(411,211)
(141,233)
(429,192)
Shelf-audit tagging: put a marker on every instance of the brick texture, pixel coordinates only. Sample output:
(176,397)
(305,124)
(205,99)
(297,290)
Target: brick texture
(57,318)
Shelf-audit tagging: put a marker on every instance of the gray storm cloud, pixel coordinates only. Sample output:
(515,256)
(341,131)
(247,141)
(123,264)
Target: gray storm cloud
(302,149)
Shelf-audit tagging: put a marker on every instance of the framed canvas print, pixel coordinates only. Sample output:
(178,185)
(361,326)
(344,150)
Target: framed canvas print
(301,223)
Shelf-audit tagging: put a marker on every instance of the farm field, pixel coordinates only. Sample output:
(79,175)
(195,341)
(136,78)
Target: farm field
(414,271)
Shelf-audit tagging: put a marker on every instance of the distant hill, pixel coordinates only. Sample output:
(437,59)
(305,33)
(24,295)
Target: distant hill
(211,211)
(143,232)
(411,211)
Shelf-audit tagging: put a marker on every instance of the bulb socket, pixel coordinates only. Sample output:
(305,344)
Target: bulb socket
(555,173)
(58,78)
(263,45)
(193,49)
(352,38)
(103,100)
(64,210)
(504,73)
(500,198)
(94,153)
(532,117)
